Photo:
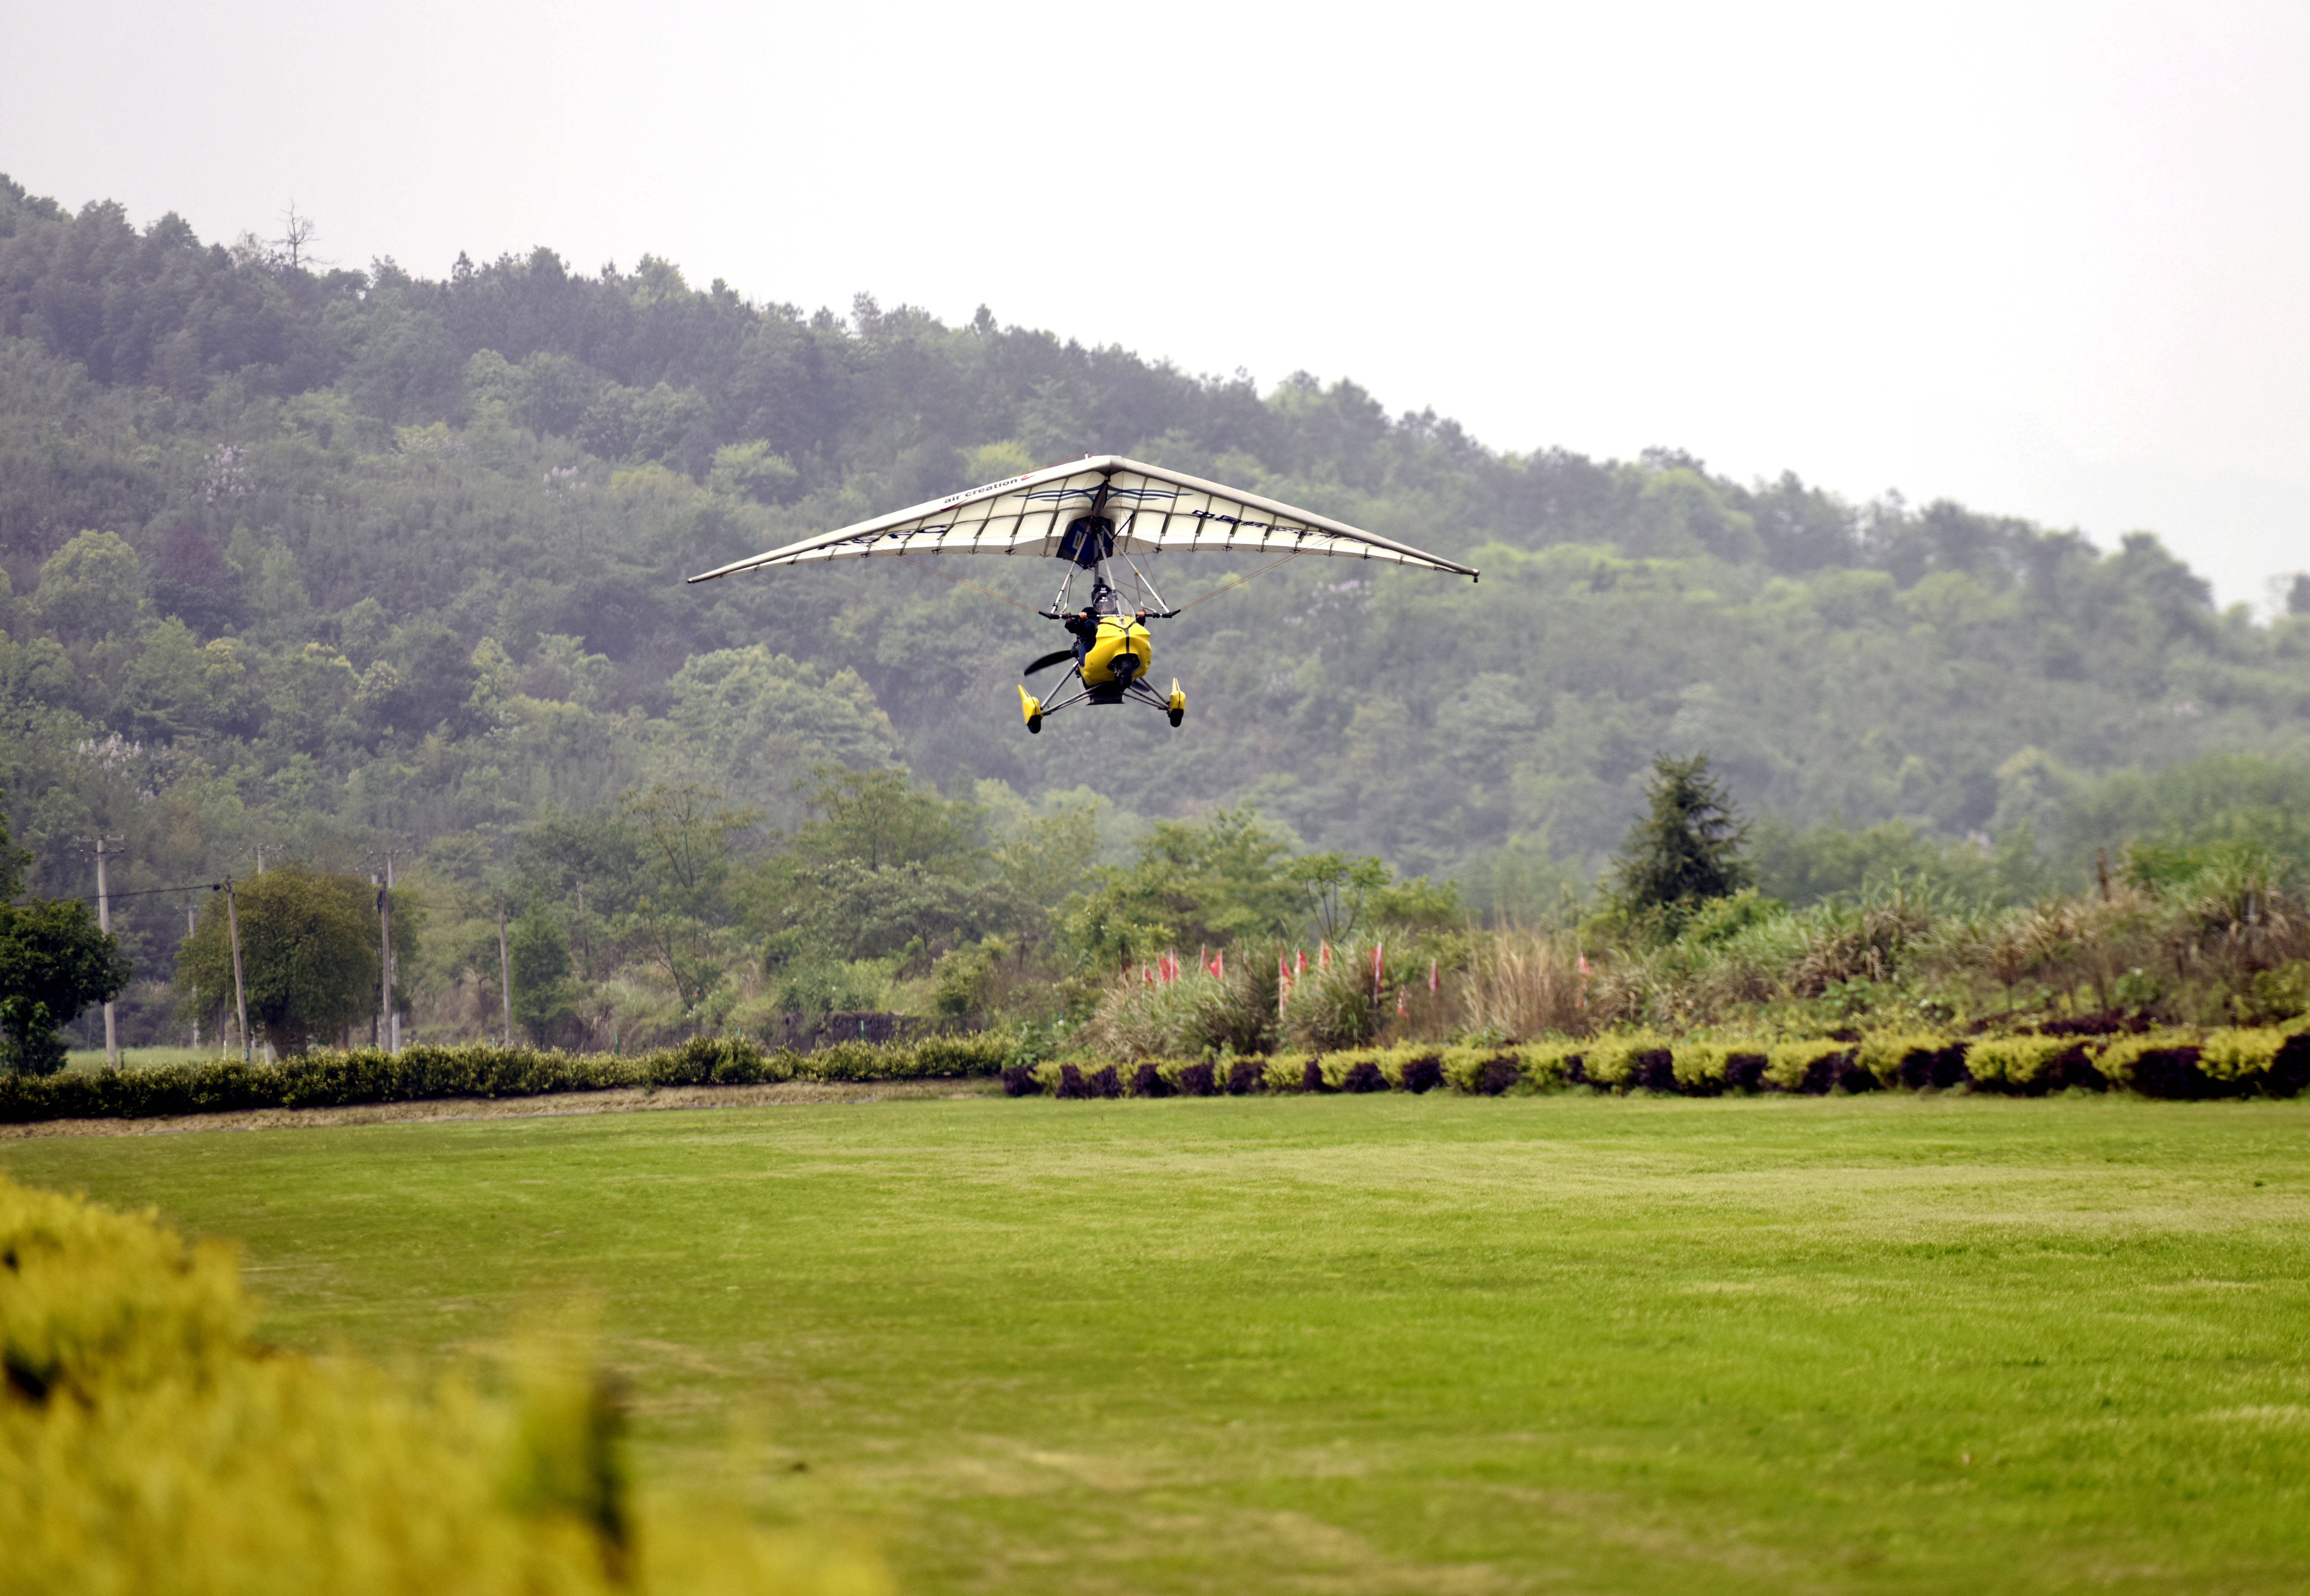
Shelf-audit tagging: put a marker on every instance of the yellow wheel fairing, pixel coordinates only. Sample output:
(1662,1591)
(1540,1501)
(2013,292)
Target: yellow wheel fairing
(1115,634)
(1178,696)
(1029,706)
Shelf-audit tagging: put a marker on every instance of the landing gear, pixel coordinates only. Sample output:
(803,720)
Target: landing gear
(1133,689)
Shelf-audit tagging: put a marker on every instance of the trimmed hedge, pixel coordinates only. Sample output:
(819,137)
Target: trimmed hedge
(419,1074)
(2234,1063)
(2269,1063)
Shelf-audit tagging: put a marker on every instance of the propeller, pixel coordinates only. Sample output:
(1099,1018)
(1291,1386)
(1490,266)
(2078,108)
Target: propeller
(1048,660)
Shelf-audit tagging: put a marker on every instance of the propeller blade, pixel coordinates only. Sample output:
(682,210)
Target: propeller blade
(1048,660)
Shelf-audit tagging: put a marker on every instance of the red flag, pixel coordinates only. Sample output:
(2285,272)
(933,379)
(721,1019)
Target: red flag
(1323,955)
(1218,964)
(1282,984)
(1431,978)
(1303,962)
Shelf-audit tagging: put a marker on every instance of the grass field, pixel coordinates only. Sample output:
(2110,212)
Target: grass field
(1383,1344)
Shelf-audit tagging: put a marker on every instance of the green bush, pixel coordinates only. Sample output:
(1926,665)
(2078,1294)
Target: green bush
(148,1444)
(417,1074)
(2014,1063)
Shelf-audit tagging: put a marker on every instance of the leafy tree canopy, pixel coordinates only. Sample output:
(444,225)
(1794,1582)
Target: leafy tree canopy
(310,954)
(54,963)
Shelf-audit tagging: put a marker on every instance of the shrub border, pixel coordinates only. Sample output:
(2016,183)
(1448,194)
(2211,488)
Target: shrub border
(420,1074)
(2268,1062)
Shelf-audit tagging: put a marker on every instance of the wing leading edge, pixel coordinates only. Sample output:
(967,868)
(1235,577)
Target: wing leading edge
(1151,509)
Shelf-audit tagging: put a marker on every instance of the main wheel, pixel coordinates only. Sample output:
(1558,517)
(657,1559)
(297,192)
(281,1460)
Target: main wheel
(1177,715)
(1035,722)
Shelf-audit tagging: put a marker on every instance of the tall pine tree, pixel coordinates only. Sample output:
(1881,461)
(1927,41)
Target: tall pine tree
(1687,850)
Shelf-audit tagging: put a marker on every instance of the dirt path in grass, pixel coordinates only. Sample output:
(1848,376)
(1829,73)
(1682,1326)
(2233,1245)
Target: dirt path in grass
(619,1100)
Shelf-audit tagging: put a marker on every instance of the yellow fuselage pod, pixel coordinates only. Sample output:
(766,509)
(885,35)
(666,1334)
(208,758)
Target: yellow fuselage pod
(1116,636)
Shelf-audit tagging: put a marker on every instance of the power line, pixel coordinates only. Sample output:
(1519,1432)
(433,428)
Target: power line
(156,891)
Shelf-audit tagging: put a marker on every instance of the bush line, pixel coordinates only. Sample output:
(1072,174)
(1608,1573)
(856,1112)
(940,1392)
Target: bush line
(2231,1063)
(2268,1062)
(417,1074)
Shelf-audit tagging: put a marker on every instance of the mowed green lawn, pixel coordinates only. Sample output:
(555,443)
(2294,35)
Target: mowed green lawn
(1373,1344)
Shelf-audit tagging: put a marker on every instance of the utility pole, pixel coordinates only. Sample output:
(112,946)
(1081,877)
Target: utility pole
(388,1020)
(239,986)
(104,924)
(385,967)
(192,925)
(505,971)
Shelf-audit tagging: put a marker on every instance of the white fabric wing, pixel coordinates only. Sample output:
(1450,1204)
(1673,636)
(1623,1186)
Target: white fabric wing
(1151,508)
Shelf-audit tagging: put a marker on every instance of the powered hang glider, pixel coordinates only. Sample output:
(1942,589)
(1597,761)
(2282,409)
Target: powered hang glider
(1096,514)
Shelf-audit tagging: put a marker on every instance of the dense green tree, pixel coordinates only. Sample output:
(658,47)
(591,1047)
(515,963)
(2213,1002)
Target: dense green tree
(1686,851)
(54,963)
(310,951)
(1338,889)
(538,956)
(882,818)
(91,587)
(1211,881)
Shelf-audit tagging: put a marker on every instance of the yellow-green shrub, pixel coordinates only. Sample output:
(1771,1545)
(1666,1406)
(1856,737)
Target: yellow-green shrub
(1700,1067)
(147,1444)
(2012,1063)
(2242,1056)
(1613,1061)
(1547,1065)
(1788,1063)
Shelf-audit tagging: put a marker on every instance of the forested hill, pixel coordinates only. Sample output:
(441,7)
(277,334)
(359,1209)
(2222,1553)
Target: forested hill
(317,557)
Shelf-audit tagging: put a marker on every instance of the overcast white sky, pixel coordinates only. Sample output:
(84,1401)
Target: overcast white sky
(2047,259)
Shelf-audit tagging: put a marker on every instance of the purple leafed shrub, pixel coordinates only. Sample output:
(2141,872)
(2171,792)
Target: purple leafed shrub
(2290,1072)
(1147,1082)
(1423,1074)
(1246,1077)
(1826,1073)
(1941,1068)
(1654,1069)
(1497,1073)
(1311,1079)
(1364,1077)
(1019,1081)
(2173,1073)
(1198,1080)
(1072,1083)
(1744,1072)
(1103,1083)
